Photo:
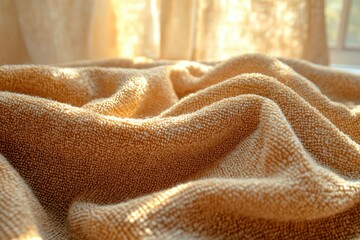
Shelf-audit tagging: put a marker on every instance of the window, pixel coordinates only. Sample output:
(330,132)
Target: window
(343,30)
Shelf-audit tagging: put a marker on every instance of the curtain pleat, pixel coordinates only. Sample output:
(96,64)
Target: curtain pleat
(53,31)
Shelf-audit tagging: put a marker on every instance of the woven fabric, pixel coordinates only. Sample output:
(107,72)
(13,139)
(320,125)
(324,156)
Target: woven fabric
(252,147)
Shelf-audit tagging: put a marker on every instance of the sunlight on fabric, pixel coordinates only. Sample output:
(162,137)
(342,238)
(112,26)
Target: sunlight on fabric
(181,64)
(356,110)
(138,60)
(154,203)
(30,235)
(30,238)
(65,72)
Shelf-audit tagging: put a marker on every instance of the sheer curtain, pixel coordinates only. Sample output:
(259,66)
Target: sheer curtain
(52,31)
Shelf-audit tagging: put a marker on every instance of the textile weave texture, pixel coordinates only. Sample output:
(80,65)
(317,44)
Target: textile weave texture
(251,147)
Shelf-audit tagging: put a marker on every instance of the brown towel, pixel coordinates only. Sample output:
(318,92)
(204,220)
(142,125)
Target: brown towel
(252,147)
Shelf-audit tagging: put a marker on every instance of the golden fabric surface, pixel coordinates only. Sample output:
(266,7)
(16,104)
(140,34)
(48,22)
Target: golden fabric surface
(55,31)
(252,147)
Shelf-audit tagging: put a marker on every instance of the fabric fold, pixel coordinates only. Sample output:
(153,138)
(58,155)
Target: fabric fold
(252,147)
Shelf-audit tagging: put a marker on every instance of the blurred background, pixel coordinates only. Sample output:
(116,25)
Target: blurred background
(56,31)
(343,33)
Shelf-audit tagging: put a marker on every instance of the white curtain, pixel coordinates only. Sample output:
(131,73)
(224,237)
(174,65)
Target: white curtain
(53,31)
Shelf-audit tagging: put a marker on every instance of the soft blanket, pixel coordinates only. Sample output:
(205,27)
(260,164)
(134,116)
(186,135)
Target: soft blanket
(252,147)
